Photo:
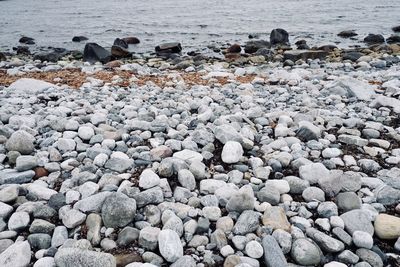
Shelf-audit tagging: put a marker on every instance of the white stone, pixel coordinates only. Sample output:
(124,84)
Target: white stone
(254,250)
(232,152)
(148,179)
(170,245)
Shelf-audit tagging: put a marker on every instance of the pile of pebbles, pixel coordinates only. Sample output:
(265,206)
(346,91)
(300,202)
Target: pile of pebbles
(299,167)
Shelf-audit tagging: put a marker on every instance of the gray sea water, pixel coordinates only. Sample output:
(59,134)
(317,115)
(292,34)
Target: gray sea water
(194,23)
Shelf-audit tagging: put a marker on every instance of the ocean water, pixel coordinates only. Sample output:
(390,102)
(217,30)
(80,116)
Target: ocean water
(194,23)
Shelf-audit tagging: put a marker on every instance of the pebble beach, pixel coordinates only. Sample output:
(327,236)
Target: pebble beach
(267,155)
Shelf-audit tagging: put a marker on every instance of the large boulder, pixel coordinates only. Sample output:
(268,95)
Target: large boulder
(279,37)
(374,39)
(96,53)
(16,255)
(253,46)
(168,48)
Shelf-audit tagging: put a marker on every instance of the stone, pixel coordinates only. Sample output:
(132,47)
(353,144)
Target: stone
(118,210)
(304,54)
(131,40)
(93,223)
(148,237)
(313,194)
(168,48)
(30,87)
(279,37)
(313,172)
(92,203)
(254,250)
(370,256)
(79,38)
(68,257)
(85,132)
(305,252)
(362,239)
(95,53)
(127,236)
(269,194)
(347,34)
(242,200)
(348,201)
(170,245)
(231,152)
(25,163)
(18,254)
(9,194)
(153,195)
(357,220)
(39,241)
(387,226)
(72,218)
(273,255)
(325,242)
(275,218)
(374,39)
(22,142)
(187,179)
(308,131)
(18,221)
(247,222)
(60,235)
(41,226)
(148,179)
(186,261)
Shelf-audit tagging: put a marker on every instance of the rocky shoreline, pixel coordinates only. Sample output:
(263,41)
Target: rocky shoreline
(262,156)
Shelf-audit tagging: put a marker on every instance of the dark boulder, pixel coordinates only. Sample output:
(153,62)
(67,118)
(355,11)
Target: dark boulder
(279,37)
(396,29)
(352,55)
(119,52)
(302,45)
(94,53)
(347,34)
(393,39)
(2,56)
(327,48)
(27,40)
(121,43)
(131,40)
(266,52)
(235,48)
(374,39)
(22,50)
(253,36)
(295,55)
(168,48)
(47,56)
(79,39)
(253,46)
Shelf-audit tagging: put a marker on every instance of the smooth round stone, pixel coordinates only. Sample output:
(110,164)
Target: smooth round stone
(18,221)
(254,250)
(305,253)
(313,194)
(22,142)
(227,250)
(148,179)
(362,239)
(387,226)
(85,132)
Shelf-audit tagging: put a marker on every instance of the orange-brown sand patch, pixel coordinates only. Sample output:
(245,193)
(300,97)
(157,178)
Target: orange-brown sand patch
(75,78)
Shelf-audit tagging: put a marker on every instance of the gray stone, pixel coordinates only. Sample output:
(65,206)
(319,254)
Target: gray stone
(92,203)
(342,235)
(254,250)
(242,200)
(148,237)
(148,179)
(269,194)
(153,195)
(170,245)
(45,262)
(225,133)
(313,172)
(18,221)
(72,218)
(18,254)
(362,239)
(4,244)
(308,131)
(370,256)
(118,210)
(69,257)
(41,226)
(357,220)
(127,236)
(60,235)
(273,255)
(305,252)
(247,222)
(327,209)
(25,163)
(348,257)
(14,177)
(21,141)
(93,223)
(313,194)
(9,194)
(348,201)
(187,179)
(39,241)
(119,164)
(326,242)
(186,261)
(297,185)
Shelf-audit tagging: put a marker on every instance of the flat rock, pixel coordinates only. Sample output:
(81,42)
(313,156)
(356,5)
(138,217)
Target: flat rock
(273,254)
(357,220)
(30,86)
(18,254)
(69,257)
